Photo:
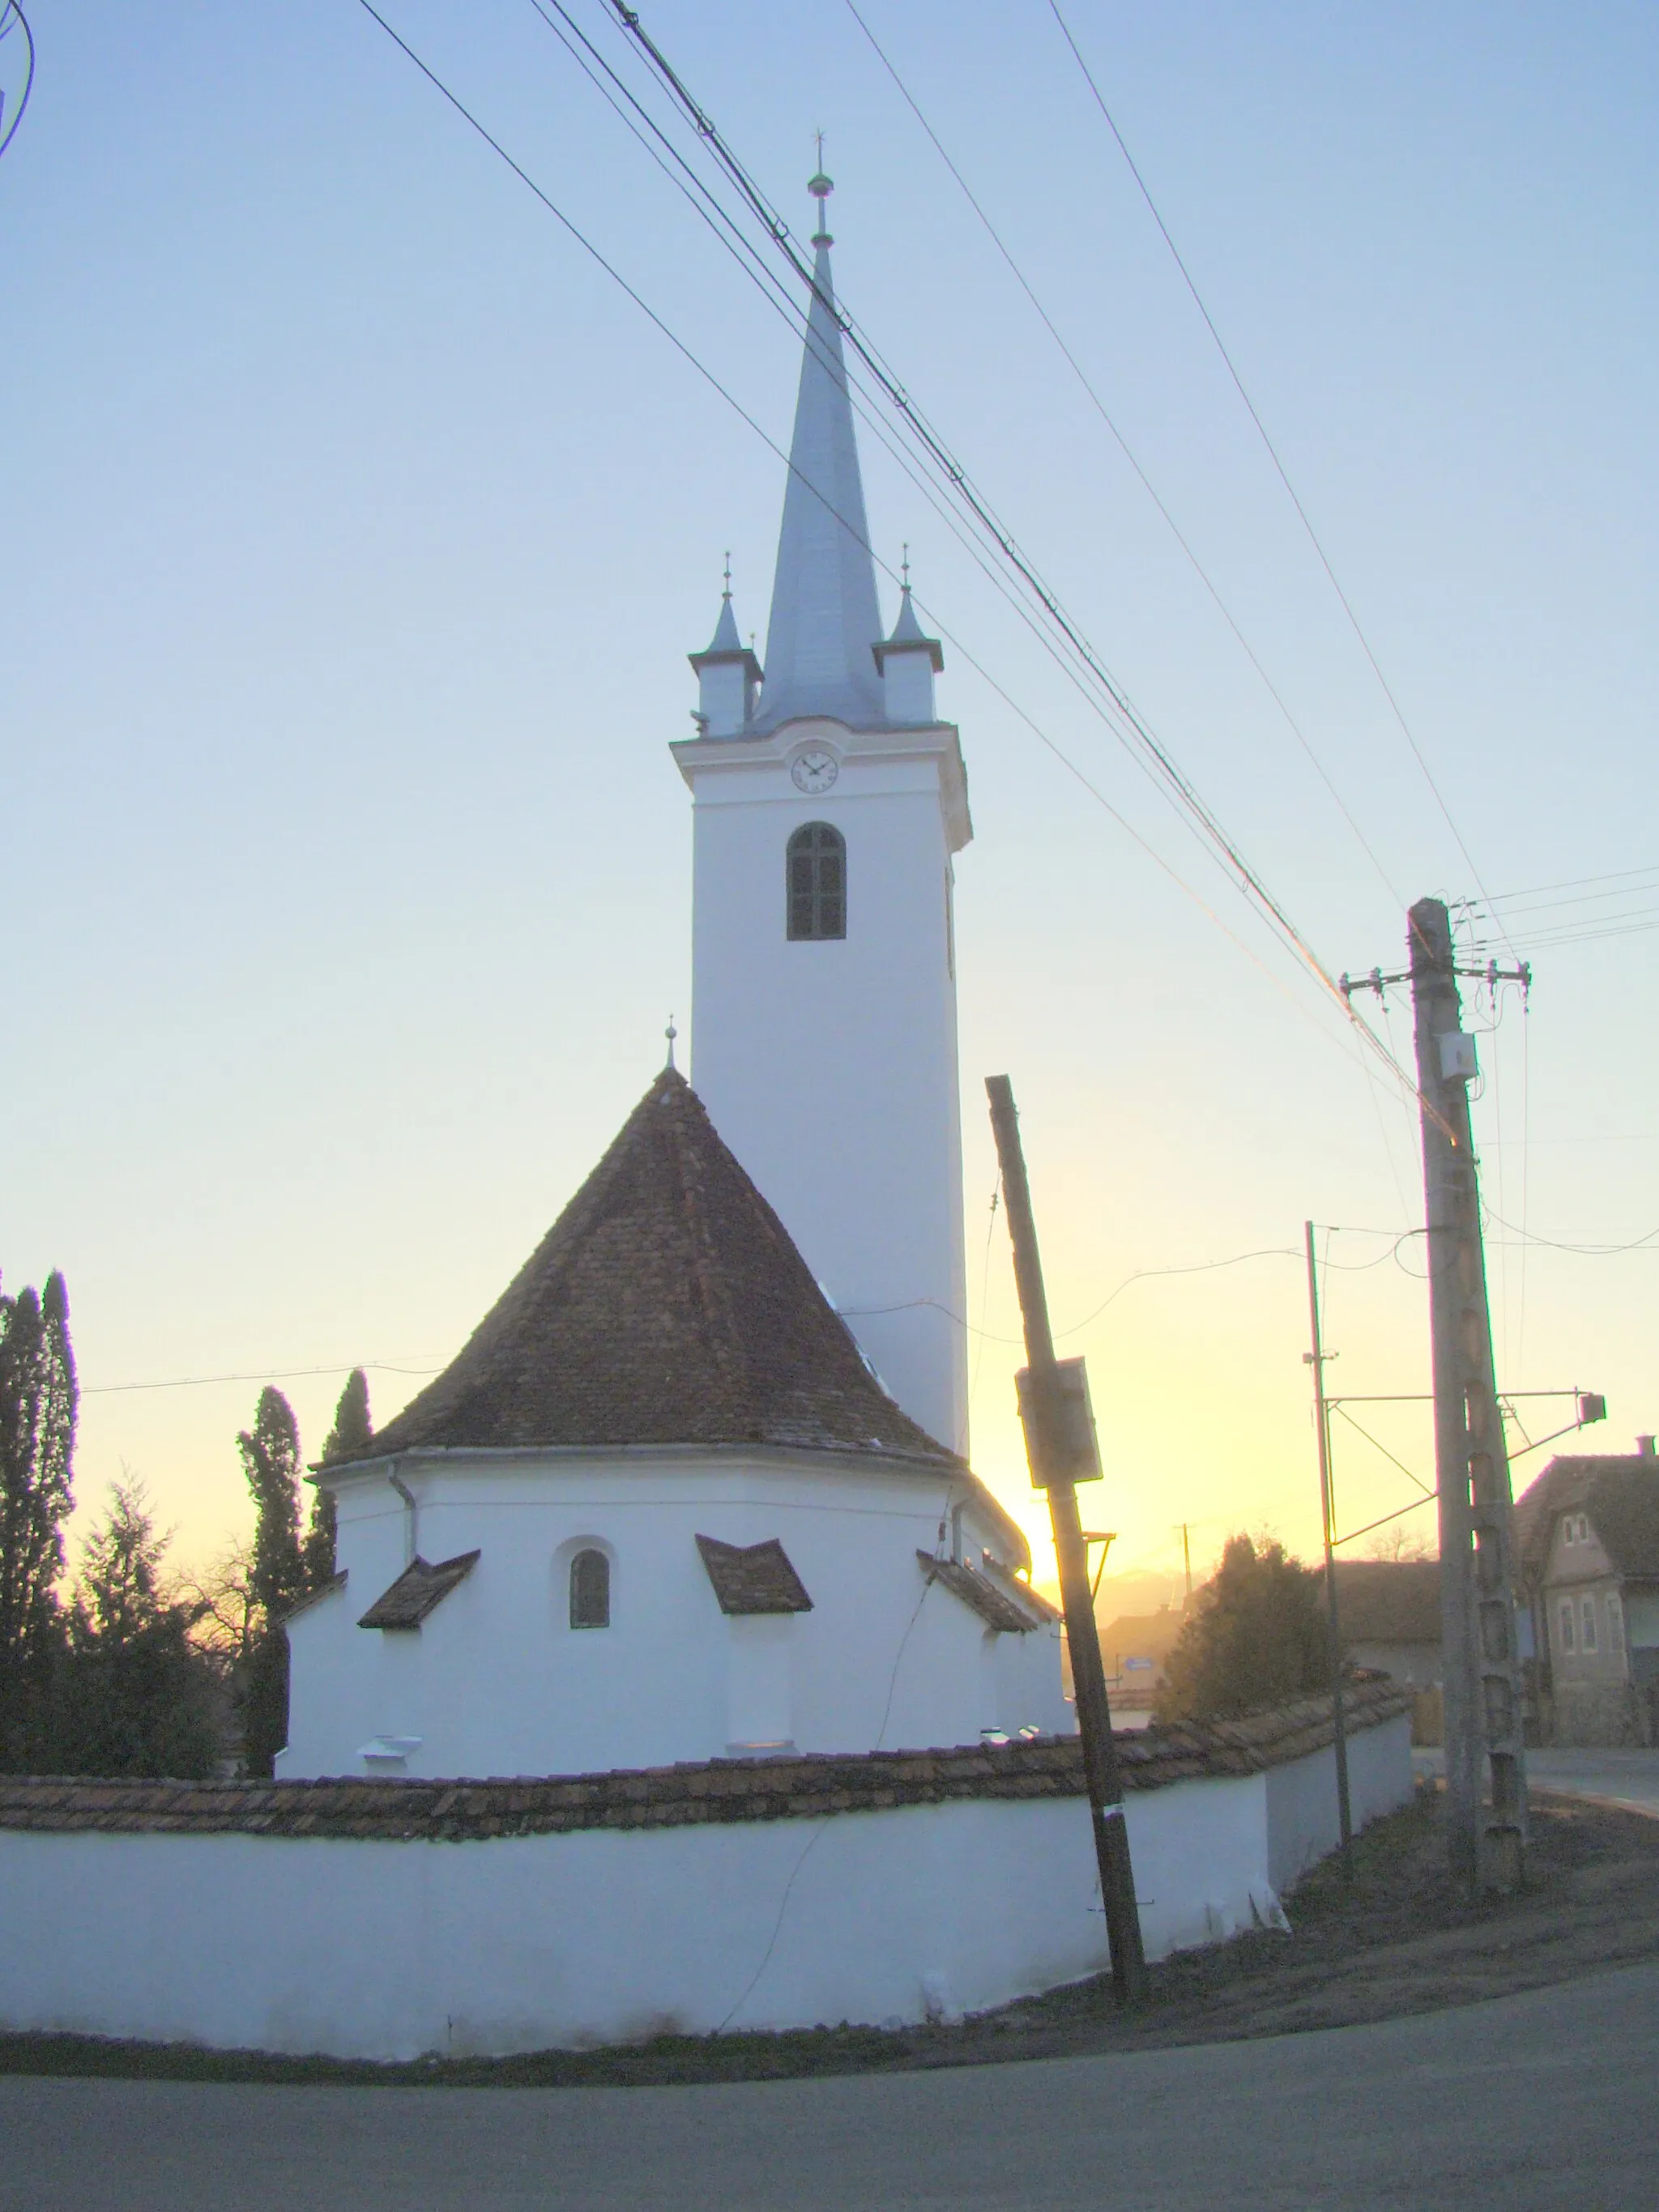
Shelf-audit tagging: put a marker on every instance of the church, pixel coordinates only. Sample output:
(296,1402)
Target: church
(679,1675)
(698,1487)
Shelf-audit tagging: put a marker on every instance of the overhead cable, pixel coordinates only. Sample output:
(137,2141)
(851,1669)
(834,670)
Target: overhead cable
(1273,456)
(1124,447)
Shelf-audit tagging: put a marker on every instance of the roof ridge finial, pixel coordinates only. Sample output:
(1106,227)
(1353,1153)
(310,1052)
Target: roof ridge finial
(671,1033)
(821,187)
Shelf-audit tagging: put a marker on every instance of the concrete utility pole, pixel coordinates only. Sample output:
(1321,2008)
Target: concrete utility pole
(1061,1446)
(1316,1359)
(1485,1755)
(1477,1583)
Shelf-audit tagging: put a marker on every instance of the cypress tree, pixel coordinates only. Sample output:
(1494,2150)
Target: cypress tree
(349,1438)
(271,1462)
(38,1401)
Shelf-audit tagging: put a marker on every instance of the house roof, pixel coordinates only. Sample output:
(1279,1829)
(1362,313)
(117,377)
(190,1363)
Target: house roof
(406,1603)
(666,1305)
(753,1578)
(1620,1494)
(1147,1635)
(1388,1600)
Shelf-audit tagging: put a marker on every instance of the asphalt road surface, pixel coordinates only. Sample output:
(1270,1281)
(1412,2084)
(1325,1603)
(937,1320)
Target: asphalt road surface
(1630,1778)
(1537,2101)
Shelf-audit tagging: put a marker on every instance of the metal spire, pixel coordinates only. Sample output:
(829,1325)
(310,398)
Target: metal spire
(825,617)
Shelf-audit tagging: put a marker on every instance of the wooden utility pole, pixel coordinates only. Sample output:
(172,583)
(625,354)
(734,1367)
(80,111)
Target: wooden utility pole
(1483,1706)
(1059,1445)
(1316,1359)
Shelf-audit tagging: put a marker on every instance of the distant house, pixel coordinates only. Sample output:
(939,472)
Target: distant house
(1587,1543)
(1134,1647)
(1388,1611)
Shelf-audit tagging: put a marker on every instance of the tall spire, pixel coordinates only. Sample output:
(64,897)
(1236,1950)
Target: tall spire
(825,619)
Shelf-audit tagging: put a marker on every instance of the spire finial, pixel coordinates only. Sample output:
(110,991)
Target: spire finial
(727,592)
(820,187)
(671,1033)
(904,567)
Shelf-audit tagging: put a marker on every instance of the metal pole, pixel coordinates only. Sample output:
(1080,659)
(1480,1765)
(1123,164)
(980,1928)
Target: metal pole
(1094,1715)
(1481,1689)
(1322,1430)
(1187,1562)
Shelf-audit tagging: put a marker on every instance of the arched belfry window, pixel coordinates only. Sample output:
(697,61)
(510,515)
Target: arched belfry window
(590,1590)
(816,876)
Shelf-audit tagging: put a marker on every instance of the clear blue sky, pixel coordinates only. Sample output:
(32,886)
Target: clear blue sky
(356,528)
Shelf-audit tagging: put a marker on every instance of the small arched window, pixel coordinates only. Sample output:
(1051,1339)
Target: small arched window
(817,881)
(590,1590)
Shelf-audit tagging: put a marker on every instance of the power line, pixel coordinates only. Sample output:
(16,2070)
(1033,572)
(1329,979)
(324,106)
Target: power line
(1570,884)
(1272,454)
(264,1374)
(1148,485)
(1585,1251)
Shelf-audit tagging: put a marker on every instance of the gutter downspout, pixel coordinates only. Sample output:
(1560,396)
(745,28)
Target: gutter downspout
(411,1525)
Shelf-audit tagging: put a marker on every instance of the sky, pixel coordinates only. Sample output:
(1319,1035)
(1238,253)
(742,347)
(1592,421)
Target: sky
(358,525)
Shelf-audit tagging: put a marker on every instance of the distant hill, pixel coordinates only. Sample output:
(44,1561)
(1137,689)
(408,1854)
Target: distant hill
(1136,1592)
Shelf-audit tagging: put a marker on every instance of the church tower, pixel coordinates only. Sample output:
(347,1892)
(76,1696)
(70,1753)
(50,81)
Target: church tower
(828,802)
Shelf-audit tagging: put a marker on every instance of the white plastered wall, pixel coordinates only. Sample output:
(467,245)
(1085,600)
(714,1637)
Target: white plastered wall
(496,1681)
(830,1068)
(388,1950)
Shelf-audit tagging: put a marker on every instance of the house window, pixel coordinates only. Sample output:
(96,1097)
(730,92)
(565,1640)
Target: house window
(1615,1624)
(1587,1623)
(815,879)
(1569,1529)
(590,1590)
(1564,1621)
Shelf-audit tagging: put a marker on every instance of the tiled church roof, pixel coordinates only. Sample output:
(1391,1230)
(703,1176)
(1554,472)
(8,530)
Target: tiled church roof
(666,1305)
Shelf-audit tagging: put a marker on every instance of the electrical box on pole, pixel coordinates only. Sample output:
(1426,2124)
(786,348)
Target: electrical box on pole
(1062,1446)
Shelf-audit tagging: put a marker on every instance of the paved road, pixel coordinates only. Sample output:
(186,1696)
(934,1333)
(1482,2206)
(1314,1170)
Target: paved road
(1539,2100)
(1627,1777)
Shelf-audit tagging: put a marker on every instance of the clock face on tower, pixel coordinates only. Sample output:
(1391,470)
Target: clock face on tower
(814,772)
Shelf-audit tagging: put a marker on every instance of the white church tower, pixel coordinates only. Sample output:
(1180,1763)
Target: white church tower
(829,802)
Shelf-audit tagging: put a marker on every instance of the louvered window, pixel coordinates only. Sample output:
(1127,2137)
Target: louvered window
(817,882)
(590,1590)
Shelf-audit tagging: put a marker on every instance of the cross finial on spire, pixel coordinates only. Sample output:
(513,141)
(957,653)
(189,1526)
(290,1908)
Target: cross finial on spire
(671,1033)
(727,592)
(904,567)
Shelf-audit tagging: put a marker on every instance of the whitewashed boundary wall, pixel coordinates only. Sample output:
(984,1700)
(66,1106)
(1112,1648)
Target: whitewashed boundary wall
(749,1894)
